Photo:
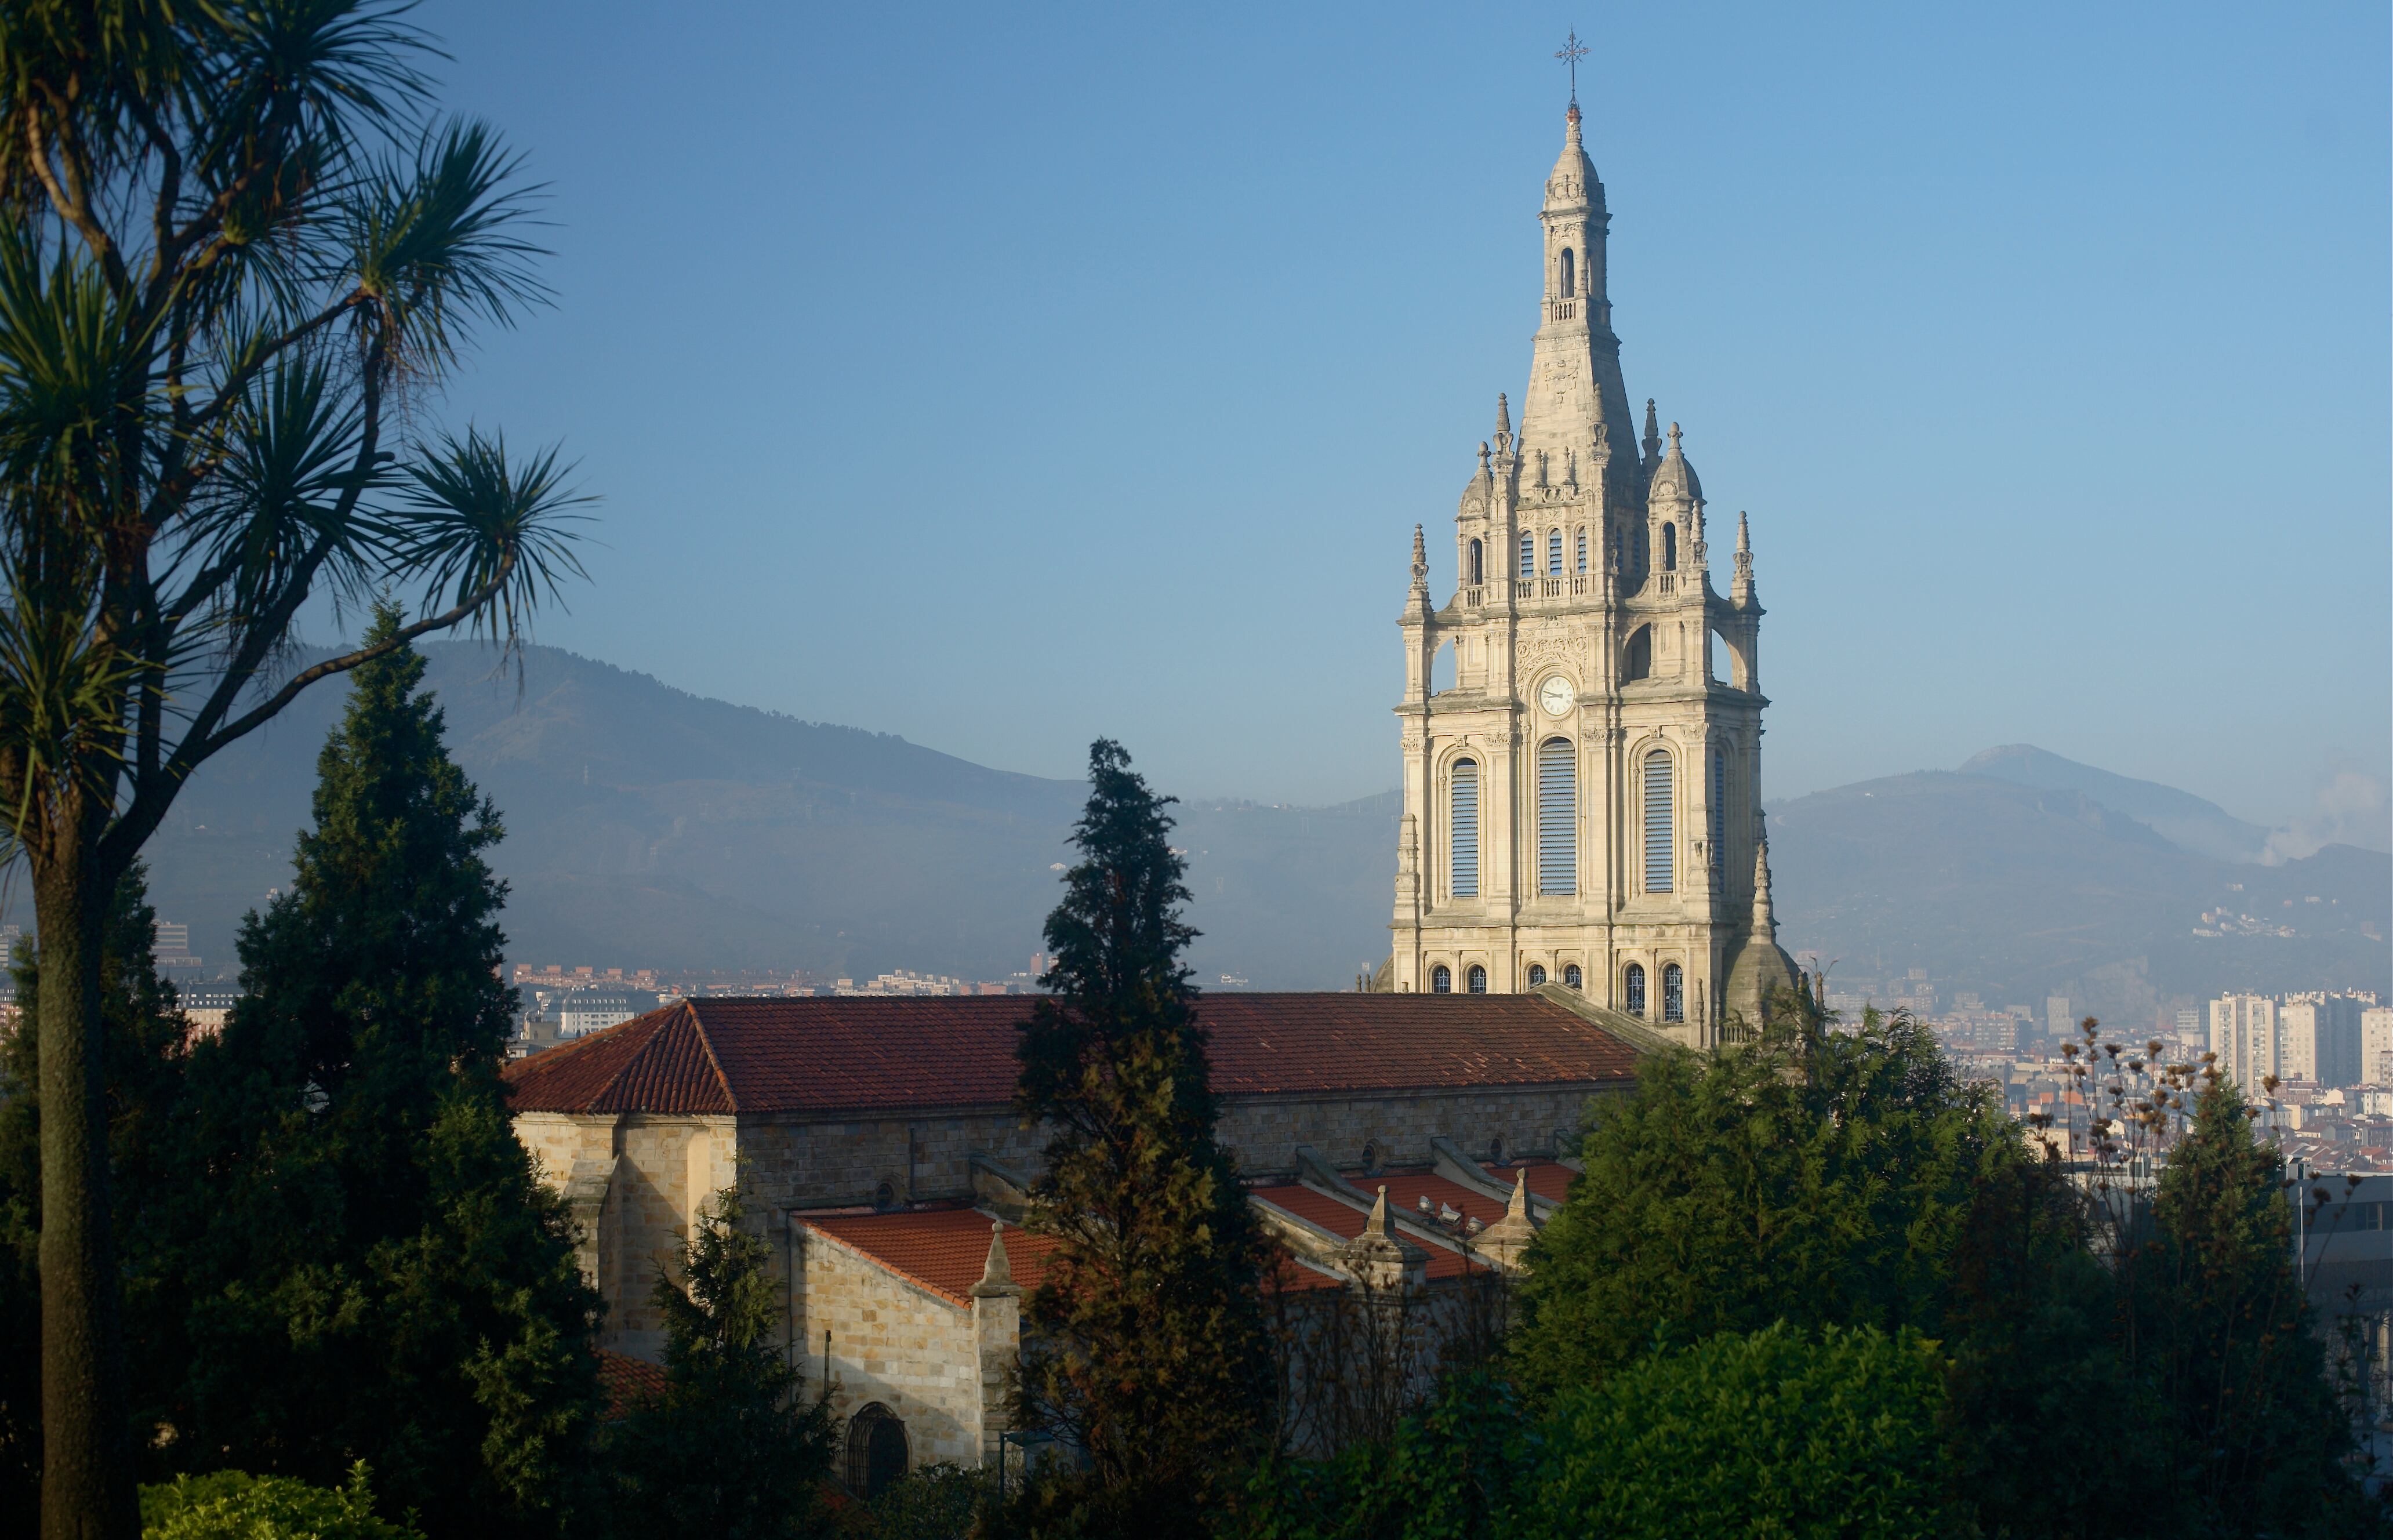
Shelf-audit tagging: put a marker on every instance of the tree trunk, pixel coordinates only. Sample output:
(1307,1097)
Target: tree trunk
(87,1491)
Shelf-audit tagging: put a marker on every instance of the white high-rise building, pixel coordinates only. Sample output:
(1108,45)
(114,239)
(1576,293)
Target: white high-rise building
(1583,807)
(2320,1040)
(2244,1035)
(2377,1045)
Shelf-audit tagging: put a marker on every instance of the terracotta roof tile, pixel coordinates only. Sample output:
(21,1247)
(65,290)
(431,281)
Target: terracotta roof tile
(1407,1188)
(1345,1220)
(944,1250)
(836,1055)
(1547,1178)
(628,1381)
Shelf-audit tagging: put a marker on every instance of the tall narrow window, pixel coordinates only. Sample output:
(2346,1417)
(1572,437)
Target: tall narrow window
(1475,578)
(1669,548)
(1658,822)
(1440,980)
(1463,870)
(1640,661)
(1719,808)
(1635,988)
(1557,816)
(1570,273)
(1674,993)
(1582,550)
(1528,554)
(1553,553)
(1478,980)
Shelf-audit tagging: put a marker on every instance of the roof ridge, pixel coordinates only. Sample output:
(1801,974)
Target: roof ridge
(698,1023)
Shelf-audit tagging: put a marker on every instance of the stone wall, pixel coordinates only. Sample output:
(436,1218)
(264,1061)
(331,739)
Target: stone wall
(892,1342)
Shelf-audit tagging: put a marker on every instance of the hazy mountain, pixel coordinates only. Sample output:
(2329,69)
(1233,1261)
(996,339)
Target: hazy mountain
(2179,817)
(648,827)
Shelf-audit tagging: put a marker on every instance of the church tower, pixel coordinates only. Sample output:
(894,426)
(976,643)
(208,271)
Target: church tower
(1583,807)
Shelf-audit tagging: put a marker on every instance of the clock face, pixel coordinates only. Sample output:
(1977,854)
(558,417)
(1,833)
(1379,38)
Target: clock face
(1556,696)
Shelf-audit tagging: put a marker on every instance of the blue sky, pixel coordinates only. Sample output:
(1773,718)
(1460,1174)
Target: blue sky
(1004,376)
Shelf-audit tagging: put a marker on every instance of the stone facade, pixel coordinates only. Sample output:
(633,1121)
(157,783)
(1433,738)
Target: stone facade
(1584,804)
(881,1338)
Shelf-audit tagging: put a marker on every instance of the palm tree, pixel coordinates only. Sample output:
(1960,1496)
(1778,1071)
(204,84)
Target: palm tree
(235,243)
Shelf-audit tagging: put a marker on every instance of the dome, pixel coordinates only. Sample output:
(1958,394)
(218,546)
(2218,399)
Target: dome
(1573,179)
(1758,970)
(1674,478)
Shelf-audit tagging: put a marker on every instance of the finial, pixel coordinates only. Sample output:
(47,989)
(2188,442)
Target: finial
(1743,536)
(1765,920)
(997,1274)
(1503,423)
(1420,560)
(1653,431)
(1483,459)
(1377,1223)
(1519,1202)
(1674,438)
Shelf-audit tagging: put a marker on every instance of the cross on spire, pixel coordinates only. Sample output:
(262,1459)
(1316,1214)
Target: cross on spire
(1571,53)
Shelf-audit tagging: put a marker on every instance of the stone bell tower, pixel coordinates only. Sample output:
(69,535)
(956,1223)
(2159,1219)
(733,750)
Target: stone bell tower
(1583,806)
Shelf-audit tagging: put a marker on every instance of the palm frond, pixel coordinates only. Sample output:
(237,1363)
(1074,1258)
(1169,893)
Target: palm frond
(472,524)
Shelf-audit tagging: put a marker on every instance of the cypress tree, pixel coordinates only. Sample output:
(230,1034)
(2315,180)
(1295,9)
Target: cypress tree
(379,1274)
(1145,1345)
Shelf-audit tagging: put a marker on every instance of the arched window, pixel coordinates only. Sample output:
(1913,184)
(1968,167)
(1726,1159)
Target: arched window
(1635,988)
(1475,578)
(1557,817)
(1669,548)
(1440,980)
(1462,871)
(876,1450)
(1495,1150)
(1674,993)
(1640,661)
(1719,808)
(1570,273)
(1582,550)
(1478,980)
(1553,553)
(1637,548)
(1658,870)
(1572,976)
(1537,974)
(1528,554)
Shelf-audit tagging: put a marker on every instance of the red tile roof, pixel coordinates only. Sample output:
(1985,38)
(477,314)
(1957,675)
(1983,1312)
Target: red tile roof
(943,1249)
(1345,1220)
(1547,1180)
(628,1381)
(1406,1189)
(839,1054)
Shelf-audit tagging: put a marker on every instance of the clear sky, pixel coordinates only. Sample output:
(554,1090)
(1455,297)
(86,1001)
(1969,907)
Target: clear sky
(1002,376)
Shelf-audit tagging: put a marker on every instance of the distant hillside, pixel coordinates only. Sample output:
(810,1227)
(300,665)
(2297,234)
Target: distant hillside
(649,826)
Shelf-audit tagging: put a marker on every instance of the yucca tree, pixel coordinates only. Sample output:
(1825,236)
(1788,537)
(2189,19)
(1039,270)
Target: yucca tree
(236,244)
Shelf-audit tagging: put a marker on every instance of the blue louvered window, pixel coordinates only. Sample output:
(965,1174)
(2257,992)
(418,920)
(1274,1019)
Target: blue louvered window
(1720,809)
(1636,990)
(1674,993)
(1582,550)
(1528,554)
(1553,553)
(1463,869)
(1658,822)
(1557,817)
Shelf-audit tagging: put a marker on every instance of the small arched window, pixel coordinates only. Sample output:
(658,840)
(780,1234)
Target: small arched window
(1495,1150)
(1553,553)
(1440,980)
(1570,273)
(1528,554)
(1478,980)
(1462,830)
(1635,990)
(876,1451)
(1658,866)
(1582,550)
(1669,548)
(1674,993)
(1537,974)
(1640,661)
(1572,976)
(1475,577)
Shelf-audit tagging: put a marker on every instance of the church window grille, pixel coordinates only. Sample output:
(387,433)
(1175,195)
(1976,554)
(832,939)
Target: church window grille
(1478,980)
(1475,563)
(1463,870)
(1669,548)
(1635,988)
(1658,822)
(1582,550)
(1572,976)
(1674,993)
(1440,980)
(1557,817)
(1528,554)
(1570,273)
(1553,553)
(1537,974)
(1719,808)
(876,1451)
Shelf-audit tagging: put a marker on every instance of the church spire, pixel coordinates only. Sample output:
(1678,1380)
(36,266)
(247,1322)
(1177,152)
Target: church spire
(1575,374)
(1765,920)
(1503,423)
(1652,435)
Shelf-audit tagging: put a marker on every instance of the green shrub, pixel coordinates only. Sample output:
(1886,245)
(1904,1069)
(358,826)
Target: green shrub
(234,1505)
(1768,1433)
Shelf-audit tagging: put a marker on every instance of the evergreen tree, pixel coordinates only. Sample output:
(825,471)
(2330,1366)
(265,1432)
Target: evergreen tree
(1145,1345)
(727,1451)
(144,1047)
(377,1272)
(2220,1333)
